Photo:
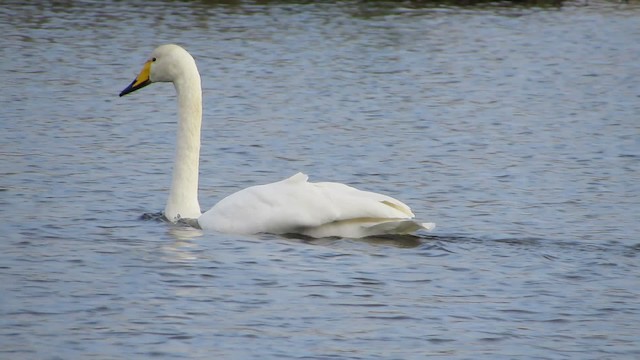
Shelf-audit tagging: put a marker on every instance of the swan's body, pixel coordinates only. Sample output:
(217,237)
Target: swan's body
(293,205)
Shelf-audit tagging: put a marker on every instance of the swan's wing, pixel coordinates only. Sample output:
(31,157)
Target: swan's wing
(295,205)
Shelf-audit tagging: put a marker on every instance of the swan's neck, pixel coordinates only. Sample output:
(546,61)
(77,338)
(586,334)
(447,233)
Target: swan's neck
(183,198)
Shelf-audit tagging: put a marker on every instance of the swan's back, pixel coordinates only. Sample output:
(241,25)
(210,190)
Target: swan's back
(295,205)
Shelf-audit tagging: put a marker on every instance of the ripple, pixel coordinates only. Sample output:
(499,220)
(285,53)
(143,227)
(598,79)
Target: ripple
(532,181)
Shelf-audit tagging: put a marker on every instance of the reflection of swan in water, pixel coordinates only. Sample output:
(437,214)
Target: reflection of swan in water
(402,241)
(292,205)
(184,234)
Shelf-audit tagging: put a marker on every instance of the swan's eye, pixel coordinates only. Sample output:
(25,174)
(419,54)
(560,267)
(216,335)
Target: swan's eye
(154,59)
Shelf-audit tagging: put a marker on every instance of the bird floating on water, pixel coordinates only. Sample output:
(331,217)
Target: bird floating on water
(291,206)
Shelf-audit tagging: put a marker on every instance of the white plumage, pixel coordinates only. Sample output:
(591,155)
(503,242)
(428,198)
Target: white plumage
(292,205)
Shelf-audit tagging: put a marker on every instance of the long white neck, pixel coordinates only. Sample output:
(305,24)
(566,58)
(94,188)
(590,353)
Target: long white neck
(183,198)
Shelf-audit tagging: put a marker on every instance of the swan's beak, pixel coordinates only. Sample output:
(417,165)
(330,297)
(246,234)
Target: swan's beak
(141,81)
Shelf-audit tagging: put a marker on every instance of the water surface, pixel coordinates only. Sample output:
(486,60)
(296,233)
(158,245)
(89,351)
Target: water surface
(514,128)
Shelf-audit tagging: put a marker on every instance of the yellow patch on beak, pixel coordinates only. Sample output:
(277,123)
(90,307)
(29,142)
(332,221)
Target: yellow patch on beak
(140,81)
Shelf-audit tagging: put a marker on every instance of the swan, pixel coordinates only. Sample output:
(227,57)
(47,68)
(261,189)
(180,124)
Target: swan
(291,206)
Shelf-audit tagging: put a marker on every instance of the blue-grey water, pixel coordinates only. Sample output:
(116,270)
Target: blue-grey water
(515,128)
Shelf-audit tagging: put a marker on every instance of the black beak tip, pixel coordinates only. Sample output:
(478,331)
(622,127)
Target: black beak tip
(128,89)
(132,87)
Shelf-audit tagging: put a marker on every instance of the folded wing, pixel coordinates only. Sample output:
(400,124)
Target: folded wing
(322,209)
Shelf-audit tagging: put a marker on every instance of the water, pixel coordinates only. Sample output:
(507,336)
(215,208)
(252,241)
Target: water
(515,129)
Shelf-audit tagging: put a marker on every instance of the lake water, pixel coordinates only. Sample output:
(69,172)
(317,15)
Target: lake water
(515,128)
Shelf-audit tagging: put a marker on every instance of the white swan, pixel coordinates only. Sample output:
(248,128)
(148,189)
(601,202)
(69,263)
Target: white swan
(293,205)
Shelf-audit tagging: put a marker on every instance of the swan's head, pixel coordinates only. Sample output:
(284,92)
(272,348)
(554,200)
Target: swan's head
(167,63)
